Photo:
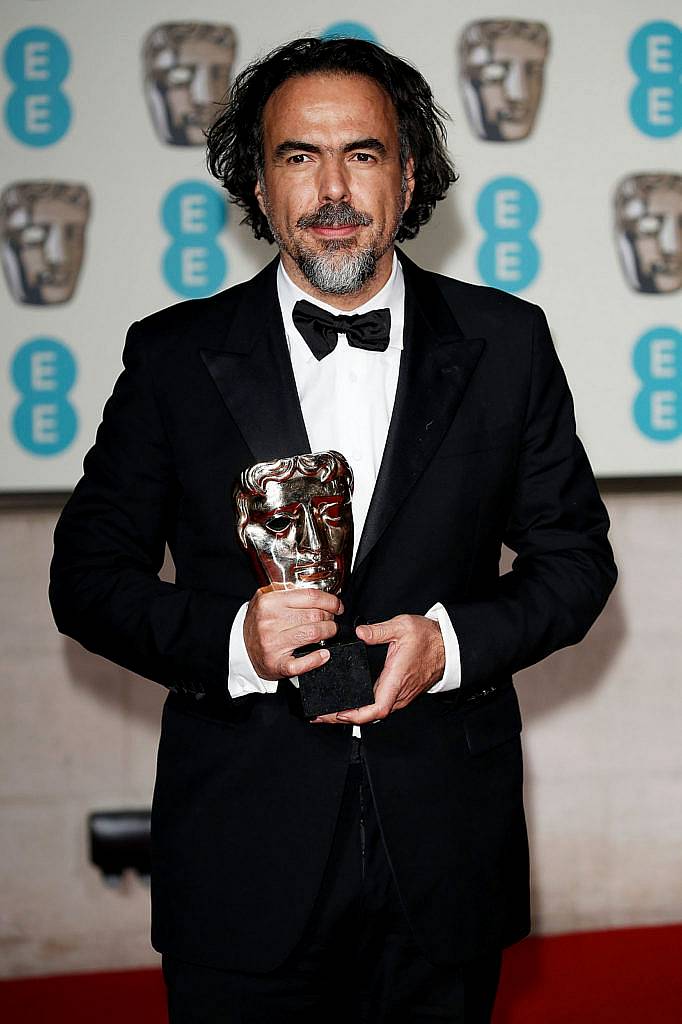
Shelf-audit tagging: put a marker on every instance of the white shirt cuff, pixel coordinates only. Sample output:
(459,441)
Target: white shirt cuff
(452,673)
(242,676)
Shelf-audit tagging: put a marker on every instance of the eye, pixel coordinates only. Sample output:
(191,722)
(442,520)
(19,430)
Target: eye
(298,158)
(331,513)
(493,72)
(649,225)
(179,75)
(34,234)
(278,524)
(364,158)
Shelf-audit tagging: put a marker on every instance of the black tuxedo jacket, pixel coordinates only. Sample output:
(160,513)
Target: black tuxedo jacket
(481,449)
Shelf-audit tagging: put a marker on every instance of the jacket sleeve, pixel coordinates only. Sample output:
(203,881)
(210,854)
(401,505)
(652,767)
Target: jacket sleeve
(564,568)
(109,546)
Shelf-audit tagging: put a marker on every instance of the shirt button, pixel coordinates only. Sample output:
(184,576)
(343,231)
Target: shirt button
(353,378)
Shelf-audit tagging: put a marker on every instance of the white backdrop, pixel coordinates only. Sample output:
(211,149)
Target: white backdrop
(78,115)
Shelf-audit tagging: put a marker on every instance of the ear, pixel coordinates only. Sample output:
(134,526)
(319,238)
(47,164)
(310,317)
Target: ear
(258,192)
(408,175)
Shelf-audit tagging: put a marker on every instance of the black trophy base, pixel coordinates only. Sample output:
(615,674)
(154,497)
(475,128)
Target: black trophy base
(343,681)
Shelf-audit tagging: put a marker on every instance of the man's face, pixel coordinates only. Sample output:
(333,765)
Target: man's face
(301,533)
(42,249)
(503,85)
(650,236)
(184,84)
(332,187)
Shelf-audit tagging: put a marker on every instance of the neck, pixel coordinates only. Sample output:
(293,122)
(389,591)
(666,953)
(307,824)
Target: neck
(342,302)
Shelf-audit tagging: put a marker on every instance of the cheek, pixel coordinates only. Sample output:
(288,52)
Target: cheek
(337,538)
(33,259)
(647,249)
(492,96)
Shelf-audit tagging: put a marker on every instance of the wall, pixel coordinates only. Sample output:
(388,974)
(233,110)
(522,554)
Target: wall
(602,728)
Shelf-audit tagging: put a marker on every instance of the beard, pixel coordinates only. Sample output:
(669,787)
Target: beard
(338,267)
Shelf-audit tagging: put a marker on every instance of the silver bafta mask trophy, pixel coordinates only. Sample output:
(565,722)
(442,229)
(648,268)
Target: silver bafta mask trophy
(295,520)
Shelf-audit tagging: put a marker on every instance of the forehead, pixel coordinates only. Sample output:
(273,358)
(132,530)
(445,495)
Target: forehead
(47,209)
(510,45)
(328,104)
(507,45)
(205,49)
(299,489)
(665,199)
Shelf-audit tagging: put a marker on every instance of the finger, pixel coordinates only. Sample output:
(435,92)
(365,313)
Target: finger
(301,618)
(382,632)
(290,666)
(327,719)
(308,597)
(364,715)
(307,633)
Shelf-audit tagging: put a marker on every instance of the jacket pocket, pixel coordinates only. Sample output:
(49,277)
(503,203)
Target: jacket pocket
(494,722)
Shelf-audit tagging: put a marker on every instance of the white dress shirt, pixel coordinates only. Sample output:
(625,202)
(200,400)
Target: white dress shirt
(346,400)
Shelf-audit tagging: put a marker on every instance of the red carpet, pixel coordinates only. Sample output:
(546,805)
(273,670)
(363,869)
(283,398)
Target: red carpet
(632,976)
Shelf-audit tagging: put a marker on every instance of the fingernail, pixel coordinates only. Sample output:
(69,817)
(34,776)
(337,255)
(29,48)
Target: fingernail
(325,655)
(364,632)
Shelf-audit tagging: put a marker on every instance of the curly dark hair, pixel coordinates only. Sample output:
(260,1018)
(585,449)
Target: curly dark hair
(235,139)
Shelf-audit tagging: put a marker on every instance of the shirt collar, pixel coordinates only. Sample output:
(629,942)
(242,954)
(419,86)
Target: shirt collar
(391,296)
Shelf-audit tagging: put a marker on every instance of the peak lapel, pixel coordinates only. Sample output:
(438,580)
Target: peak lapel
(252,371)
(435,369)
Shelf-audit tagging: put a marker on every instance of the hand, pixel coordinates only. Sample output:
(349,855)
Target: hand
(415,661)
(279,620)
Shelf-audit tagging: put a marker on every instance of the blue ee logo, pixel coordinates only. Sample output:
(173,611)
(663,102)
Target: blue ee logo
(656,58)
(193,214)
(37,61)
(507,210)
(349,30)
(657,359)
(44,371)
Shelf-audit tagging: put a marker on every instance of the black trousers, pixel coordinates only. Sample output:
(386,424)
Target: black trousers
(357,960)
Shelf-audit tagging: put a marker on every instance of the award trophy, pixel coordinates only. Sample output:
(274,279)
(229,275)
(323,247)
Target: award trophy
(295,520)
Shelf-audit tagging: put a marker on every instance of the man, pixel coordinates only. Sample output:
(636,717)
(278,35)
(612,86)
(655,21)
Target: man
(502,63)
(367,865)
(42,226)
(648,211)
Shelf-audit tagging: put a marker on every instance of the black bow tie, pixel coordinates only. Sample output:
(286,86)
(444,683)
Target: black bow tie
(321,329)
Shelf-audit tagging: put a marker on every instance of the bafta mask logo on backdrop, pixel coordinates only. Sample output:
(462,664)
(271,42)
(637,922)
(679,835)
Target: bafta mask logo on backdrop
(42,233)
(657,361)
(502,64)
(648,209)
(187,71)
(37,61)
(655,55)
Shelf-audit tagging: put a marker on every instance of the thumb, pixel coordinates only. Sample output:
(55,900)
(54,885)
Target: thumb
(377,633)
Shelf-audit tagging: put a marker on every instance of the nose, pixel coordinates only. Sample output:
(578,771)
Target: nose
(199,89)
(309,537)
(334,186)
(515,83)
(54,245)
(670,237)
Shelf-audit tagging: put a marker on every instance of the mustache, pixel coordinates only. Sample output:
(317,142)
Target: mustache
(335,215)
